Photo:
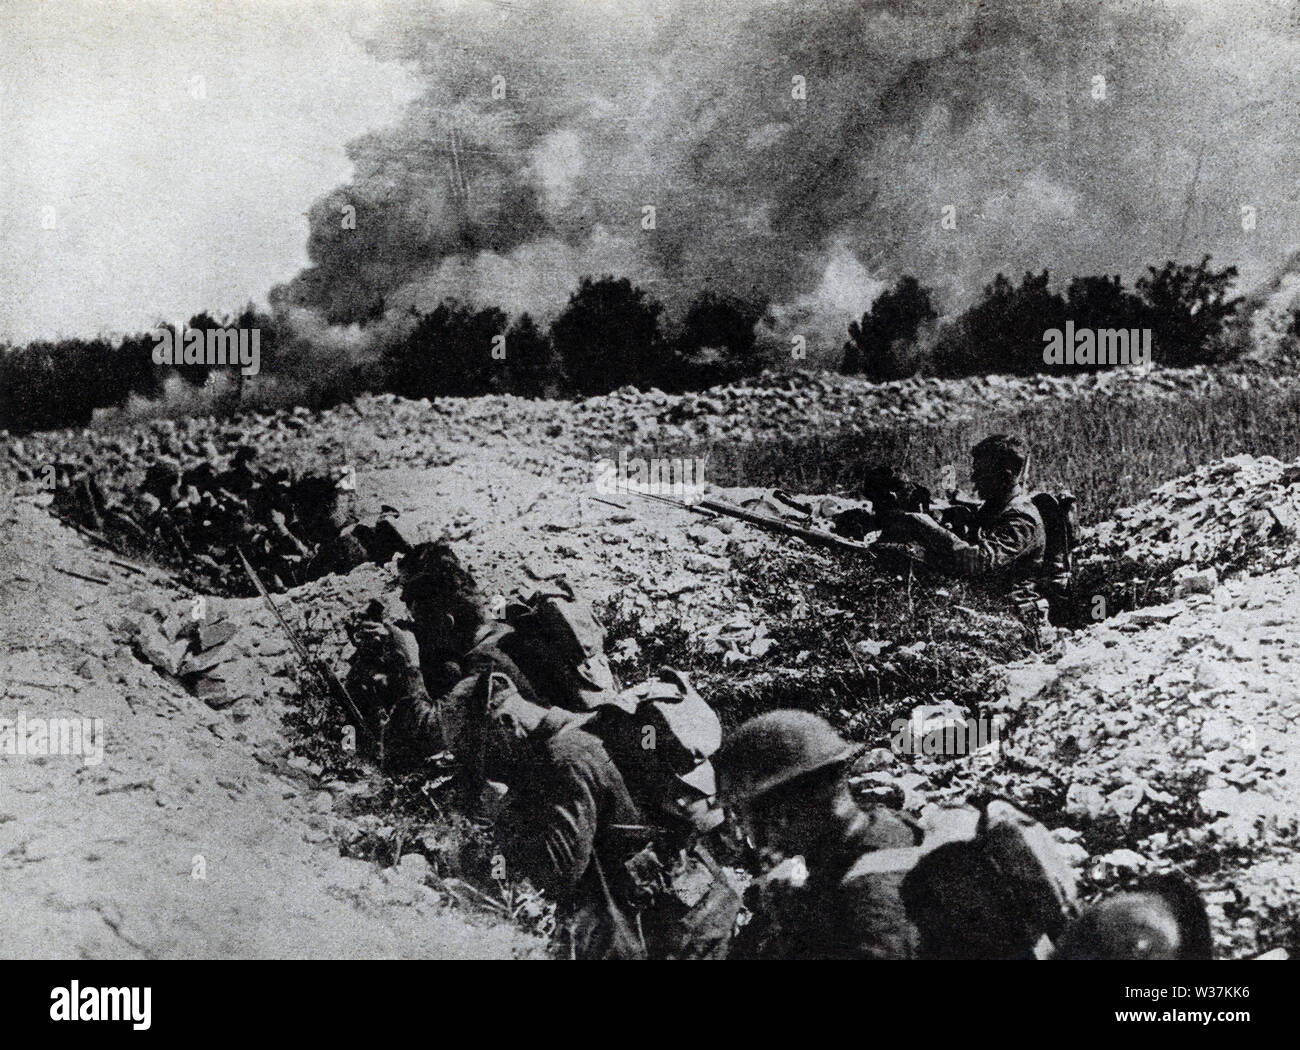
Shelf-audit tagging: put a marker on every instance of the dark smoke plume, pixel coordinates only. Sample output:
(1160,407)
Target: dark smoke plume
(992,108)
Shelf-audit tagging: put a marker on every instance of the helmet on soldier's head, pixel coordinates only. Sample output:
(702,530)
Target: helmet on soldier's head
(773,749)
(1164,920)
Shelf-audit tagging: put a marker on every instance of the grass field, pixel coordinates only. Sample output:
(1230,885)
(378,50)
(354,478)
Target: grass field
(1109,451)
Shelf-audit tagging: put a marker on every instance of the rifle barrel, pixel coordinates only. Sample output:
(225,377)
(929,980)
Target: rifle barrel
(713,508)
(789,528)
(316,667)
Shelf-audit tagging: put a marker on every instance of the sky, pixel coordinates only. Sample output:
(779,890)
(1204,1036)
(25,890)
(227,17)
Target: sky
(196,154)
(170,194)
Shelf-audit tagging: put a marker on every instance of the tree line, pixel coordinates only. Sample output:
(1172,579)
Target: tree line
(612,334)
(1187,308)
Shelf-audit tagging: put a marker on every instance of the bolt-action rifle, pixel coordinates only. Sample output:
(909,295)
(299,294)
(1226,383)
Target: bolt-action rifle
(314,666)
(711,508)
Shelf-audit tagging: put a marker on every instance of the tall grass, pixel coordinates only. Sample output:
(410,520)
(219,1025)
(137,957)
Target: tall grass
(1109,450)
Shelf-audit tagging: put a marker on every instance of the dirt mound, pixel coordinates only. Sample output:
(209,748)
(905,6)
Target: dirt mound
(1240,513)
(772,405)
(192,835)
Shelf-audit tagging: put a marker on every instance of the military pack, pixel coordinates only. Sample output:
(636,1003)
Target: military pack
(559,645)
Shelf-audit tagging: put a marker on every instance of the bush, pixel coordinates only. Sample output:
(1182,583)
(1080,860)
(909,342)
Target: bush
(608,336)
(882,345)
(718,343)
(449,352)
(1186,306)
(1188,310)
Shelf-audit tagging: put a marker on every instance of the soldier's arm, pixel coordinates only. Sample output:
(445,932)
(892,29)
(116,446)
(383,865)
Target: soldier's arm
(553,843)
(414,730)
(919,528)
(997,546)
(415,725)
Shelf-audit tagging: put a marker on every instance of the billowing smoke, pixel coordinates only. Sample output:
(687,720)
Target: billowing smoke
(805,153)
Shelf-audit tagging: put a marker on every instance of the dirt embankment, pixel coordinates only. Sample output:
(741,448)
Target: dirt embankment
(192,835)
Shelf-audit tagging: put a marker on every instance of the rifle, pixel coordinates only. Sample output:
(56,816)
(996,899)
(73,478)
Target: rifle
(316,667)
(710,508)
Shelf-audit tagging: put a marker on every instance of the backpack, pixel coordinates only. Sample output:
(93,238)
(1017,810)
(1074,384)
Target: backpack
(662,736)
(1057,509)
(559,645)
(1030,864)
(994,895)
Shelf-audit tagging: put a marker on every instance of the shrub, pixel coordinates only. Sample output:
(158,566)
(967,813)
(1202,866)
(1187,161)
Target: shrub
(608,336)
(881,345)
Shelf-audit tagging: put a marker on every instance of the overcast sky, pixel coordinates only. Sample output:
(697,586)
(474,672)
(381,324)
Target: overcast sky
(179,143)
(166,203)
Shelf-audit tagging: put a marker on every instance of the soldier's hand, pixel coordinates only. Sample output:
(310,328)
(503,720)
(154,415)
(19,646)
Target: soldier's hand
(395,646)
(404,646)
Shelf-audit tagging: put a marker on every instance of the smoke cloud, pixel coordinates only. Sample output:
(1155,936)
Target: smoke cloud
(1094,137)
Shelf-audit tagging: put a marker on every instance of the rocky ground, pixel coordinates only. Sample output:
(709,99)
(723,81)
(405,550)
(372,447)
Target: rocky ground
(1172,731)
(1162,737)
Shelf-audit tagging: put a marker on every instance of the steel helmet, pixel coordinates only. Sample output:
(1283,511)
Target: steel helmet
(1164,920)
(773,749)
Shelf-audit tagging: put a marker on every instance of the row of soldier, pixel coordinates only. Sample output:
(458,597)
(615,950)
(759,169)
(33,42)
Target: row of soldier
(615,802)
(292,529)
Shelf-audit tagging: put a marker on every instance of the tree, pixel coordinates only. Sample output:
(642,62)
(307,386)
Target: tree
(717,342)
(1188,309)
(448,353)
(608,336)
(532,366)
(134,357)
(1100,302)
(195,375)
(1003,332)
(878,344)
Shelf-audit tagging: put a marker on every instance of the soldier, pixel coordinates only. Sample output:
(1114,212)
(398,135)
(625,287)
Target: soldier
(1166,920)
(441,653)
(450,685)
(593,839)
(782,775)
(1004,539)
(241,478)
(570,824)
(77,495)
